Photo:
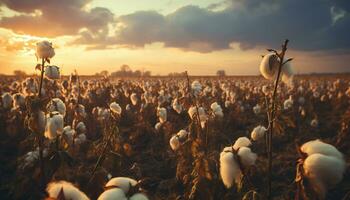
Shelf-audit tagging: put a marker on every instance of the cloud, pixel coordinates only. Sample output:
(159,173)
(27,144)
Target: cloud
(51,18)
(308,24)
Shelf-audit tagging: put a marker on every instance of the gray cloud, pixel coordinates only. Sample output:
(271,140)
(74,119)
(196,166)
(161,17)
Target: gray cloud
(63,17)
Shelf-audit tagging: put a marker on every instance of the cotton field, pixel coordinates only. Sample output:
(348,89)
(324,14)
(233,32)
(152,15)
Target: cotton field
(275,136)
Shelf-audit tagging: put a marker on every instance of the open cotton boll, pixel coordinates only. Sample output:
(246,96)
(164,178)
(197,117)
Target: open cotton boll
(323,172)
(314,123)
(258,133)
(162,114)
(123,183)
(176,106)
(288,104)
(196,87)
(317,146)
(138,196)
(247,157)
(269,66)
(158,126)
(134,99)
(80,128)
(52,72)
(287,72)
(57,104)
(113,194)
(54,125)
(115,108)
(18,100)
(178,139)
(257,109)
(69,133)
(7,100)
(229,169)
(69,190)
(44,49)
(217,110)
(80,139)
(192,111)
(242,142)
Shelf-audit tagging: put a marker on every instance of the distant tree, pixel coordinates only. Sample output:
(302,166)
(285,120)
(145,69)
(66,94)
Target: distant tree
(104,73)
(146,73)
(19,73)
(221,73)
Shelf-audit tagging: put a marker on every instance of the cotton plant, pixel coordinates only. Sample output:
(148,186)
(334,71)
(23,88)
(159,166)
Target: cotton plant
(235,161)
(54,125)
(322,165)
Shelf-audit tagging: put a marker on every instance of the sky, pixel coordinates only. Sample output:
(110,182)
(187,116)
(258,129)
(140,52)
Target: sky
(163,36)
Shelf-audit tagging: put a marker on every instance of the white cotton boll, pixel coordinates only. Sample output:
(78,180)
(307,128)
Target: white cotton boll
(314,123)
(323,172)
(229,169)
(317,146)
(80,128)
(69,133)
(123,183)
(176,106)
(287,72)
(258,133)
(138,196)
(257,109)
(52,72)
(269,66)
(7,100)
(128,107)
(18,100)
(178,139)
(288,104)
(217,110)
(44,49)
(115,108)
(57,104)
(191,111)
(54,126)
(113,194)
(133,99)
(196,87)
(69,190)
(162,115)
(247,157)
(158,126)
(242,142)
(80,139)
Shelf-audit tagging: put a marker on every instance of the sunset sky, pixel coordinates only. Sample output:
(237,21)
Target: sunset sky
(164,36)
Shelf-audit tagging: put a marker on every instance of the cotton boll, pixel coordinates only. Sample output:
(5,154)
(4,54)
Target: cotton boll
(288,104)
(52,72)
(192,111)
(196,87)
(257,109)
(217,110)
(18,100)
(7,100)
(247,157)
(115,108)
(138,196)
(229,169)
(80,139)
(54,126)
(44,49)
(162,115)
(178,139)
(80,128)
(123,183)
(176,106)
(113,194)
(258,133)
(69,190)
(242,142)
(80,110)
(69,133)
(269,66)
(323,172)
(133,99)
(287,72)
(314,123)
(317,146)
(158,126)
(128,107)
(57,104)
